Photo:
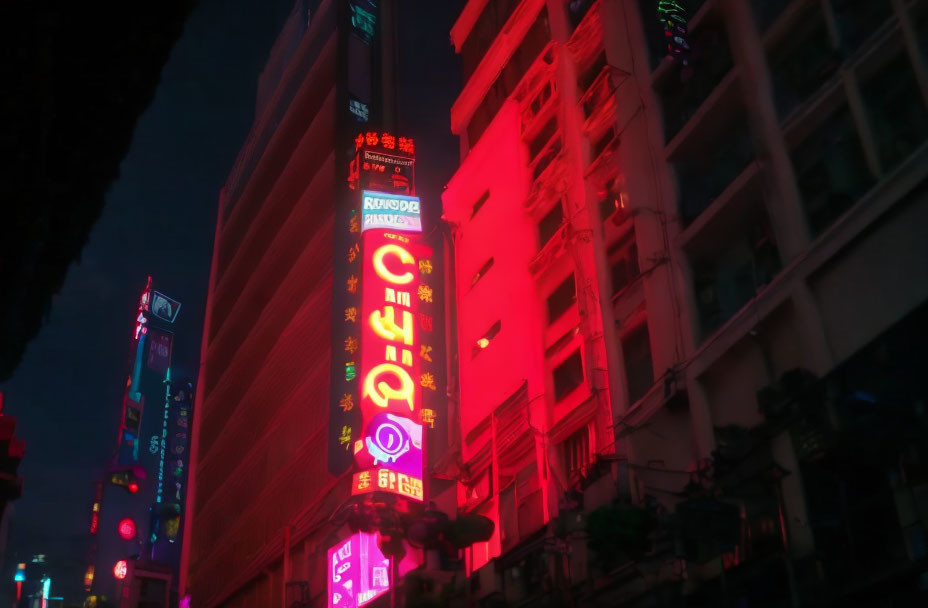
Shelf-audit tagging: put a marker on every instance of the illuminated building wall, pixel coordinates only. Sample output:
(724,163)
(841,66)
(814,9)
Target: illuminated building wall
(279,405)
(650,234)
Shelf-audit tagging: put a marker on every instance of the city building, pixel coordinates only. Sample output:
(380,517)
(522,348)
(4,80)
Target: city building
(135,518)
(12,450)
(279,453)
(689,277)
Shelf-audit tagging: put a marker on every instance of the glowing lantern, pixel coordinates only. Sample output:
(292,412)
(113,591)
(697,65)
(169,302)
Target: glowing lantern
(133,487)
(127,529)
(121,569)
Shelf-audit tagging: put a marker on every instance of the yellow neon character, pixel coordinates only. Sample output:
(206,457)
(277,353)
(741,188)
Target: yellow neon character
(381,393)
(425,352)
(427,380)
(382,271)
(351,314)
(384,325)
(425,266)
(425,293)
(345,437)
(351,345)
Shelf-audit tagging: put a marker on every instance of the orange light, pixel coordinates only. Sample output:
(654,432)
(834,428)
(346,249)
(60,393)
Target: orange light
(483,342)
(121,569)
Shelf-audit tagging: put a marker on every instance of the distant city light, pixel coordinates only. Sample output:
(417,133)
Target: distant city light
(133,487)
(127,529)
(121,569)
(20,573)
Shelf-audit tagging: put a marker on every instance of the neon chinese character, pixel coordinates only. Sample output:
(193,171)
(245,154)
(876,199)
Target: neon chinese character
(425,352)
(345,437)
(427,416)
(425,322)
(425,293)
(351,314)
(347,402)
(372,138)
(351,345)
(427,380)
(352,255)
(351,371)
(388,141)
(425,266)
(352,284)
(407,145)
(364,480)
(354,224)
(359,141)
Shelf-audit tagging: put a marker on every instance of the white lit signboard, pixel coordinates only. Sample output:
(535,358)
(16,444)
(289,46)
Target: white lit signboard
(390,211)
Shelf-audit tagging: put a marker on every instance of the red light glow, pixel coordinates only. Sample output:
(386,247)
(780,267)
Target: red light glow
(121,569)
(127,529)
(133,487)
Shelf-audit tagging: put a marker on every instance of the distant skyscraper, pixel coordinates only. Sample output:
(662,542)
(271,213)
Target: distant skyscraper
(137,510)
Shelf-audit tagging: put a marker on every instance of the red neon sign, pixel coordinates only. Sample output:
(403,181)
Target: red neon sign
(389,451)
(127,529)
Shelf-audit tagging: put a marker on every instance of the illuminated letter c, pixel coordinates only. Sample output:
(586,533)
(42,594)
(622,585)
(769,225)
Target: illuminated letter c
(382,271)
(381,393)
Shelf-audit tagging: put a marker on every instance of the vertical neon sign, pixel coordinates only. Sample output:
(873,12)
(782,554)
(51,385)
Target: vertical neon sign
(357,572)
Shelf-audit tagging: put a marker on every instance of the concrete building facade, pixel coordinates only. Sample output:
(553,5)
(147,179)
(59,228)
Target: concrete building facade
(666,271)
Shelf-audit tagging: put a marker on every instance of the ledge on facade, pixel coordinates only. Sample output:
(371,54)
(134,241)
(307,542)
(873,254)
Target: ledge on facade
(553,249)
(713,113)
(668,390)
(601,96)
(551,184)
(587,38)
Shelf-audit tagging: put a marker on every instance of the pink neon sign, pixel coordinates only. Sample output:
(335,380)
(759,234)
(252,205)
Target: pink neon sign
(358,572)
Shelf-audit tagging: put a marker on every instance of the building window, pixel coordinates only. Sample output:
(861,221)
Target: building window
(538,143)
(575,451)
(568,375)
(590,73)
(806,63)
(730,278)
(709,62)
(479,204)
(831,170)
(550,224)
(896,111)
(483,33)
(858,19)
(531,46)
(480,273)
(639,369)
(705,172)
(561,299)
(623,258)
(484,340)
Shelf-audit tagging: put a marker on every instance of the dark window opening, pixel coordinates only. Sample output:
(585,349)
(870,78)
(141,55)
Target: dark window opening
(602,143)
(539,141)
(896,111)
(568,375)
(561,299)
(534,42)
(703,175)
(577,10)
(590,74)
(550,224)
(709,62)
(734,275)
(767,11)
(546,159)
(808,62)
(483,33)
(831,170)
(483,270)
(639,370)
(576,452)
(480,203)
(858,19)
(625,270)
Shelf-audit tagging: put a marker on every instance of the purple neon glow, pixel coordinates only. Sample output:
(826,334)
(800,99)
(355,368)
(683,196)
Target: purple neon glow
(358,572)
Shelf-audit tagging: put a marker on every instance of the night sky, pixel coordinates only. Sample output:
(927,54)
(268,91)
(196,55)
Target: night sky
(159,219)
